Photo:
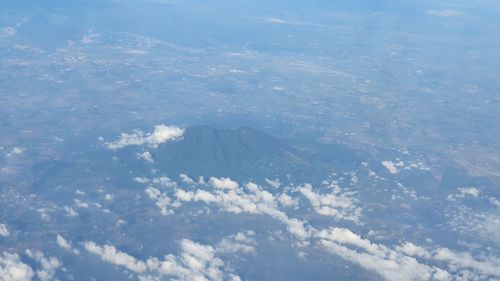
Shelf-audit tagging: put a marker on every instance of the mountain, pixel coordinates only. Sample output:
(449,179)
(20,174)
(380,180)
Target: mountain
(241,153)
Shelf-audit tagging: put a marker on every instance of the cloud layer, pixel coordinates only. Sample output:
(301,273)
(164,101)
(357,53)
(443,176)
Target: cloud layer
(406,261)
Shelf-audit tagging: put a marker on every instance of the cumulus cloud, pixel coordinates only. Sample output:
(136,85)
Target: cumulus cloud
(146,156)
(401,262)
(231,197)
(287,200)
(485,225)
(194,262)
(224,183)
(48,265)
(471,191)
(413,250)
(464,192)
(408,261)
(444,13)
(63,243)
(163,181)
(274,183)
(390,264)
(141,180)
(489,266)
(160,135)
(391,166)
(13,269)
(336,204)
(186,179)
(4,231)
(110,254)
(240,242)
(161,199)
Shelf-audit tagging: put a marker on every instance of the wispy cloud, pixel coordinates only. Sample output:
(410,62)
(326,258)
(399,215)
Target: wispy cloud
(9,31)
(444,13)
(65,244)
(276,20)
(4,231)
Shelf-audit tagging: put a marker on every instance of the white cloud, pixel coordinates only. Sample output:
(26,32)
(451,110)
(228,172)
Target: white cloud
(195,262)
(160,135)
(48,265)
(183,195)
(233,198)
(402,262)
(17,150)
(463,192)
(4,231)
(390,264)
(186,179)
(135,52)
(494,201)
(162,200)
(287,200)
(80,204)
(110,254)
(489,266)
(146,156)
(163,181)
(335,204)
(141,180)
(240,242)
(413,250)
(9,31)
(89,38)
(485,225)
(70,211)
(275,20)
(65,244)
(444,13)
(12,269)
(224,183)
(274,183)
(390,166)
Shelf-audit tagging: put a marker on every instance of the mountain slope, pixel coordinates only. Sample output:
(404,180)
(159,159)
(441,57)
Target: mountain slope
(238,153)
